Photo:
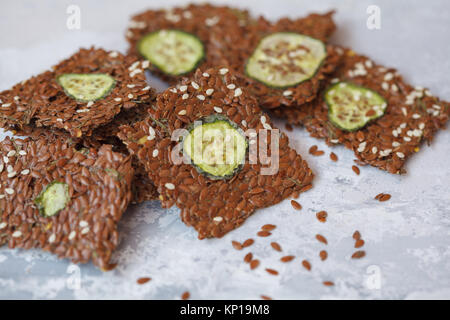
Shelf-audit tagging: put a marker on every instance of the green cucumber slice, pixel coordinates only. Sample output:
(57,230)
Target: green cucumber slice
(86,87)
(351,107)
(174,52)
(53,198)
(217,147)
(285,59)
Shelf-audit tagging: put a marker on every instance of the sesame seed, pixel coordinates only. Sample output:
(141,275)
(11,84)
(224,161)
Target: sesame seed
(146,88)
(237,92)
(422,126)
(145,64)
(400,154)
(394,133)
(368,64)
(374,150)
(90,103)
(394,88)
(1,167)
(11,153)
(416,116)
(218,219)
(130,96)
(182,112)
(133,66)
(131,86)
(85,230)
(287,93)
(409,133)
(52,238)
(9,191)
(113,54)
(395,144)
(252,141)
(185,96)
(231,86)
(209,92)
(385,86)
(6,105)
(183,88)
(417,133)
(134,72)
(173,90)
(118,99)
(362,146)
(263,119)
(72,235)
(195,85)
(201,97)
(206,74)
(17,234)
(223,71)
(5,159)
(2,196)
(59,119)
(3,225)
(388,76)
(334,140)
(12,174)
(151,133)
(170,186)
(22,153)
(82,110)
(244,123)
(403,125)
(83,223)
(16,98)
(9,168)
(267,126)
(218,110)
(435,106)
(407,139)
(155,153)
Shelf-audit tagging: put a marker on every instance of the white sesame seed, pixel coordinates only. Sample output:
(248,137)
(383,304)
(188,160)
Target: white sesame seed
(52,238)
(287,93)
(195,85)
(130,96)
(12,174)
(9,168)
(417,133)
(9,191)
(5,159)
(145,64)
(407,139)
(155,153)
(231,86)
(421,126)
(394,87)
(151,133)
(131,86)
(223,71)
(400,154)
(267,126)
(218,219)
(182,112)
(170,186)
(118,99)
(173,90)
(388,76)
(85,230)
(416,116)
(395,144)
(134,72)
(59,119)
(3,225)
(218,110)
(362,146)
(335,80)
(17,234)
(435,106)
(11,153)
(436,113)
(409,133)
(146,88)
(385,86)
(6,105)
(2,196)
(252,134)
(237,92)
(368,64)
(209,92)
(334,141)
(263,119)
(113,54)
(1,167)
(394,133)
(404,111)
(374,150)
(82,110)
(183,88)
(206,74)
(22,153)
(185,96)
(244,123)
(201,97)
(252,141)
(83,223)
(16,98)
(133,66)
(72,235)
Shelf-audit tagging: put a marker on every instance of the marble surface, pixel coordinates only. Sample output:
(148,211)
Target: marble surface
(407,238)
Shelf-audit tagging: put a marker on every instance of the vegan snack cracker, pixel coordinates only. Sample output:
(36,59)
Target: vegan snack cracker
(214,197)
(387,133)
(79,94)
(61,200)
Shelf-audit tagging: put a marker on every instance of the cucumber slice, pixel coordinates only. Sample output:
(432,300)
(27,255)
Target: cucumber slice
(351,107)
(285,59)
(53,198)
(86,87)
(174,52)
(216,147)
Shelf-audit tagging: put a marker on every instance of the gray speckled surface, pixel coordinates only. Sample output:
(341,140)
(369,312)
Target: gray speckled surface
(407,238)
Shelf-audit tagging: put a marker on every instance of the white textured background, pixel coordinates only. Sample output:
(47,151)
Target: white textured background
(407,238)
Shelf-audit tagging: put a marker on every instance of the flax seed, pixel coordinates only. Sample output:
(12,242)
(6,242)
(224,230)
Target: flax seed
(248,257)
(276,246)
(185,296)
(287,258)
(296,205)
(247,243)
(306,265)
(268,227)
(333,157)
(356,170)
(254,264)
(359,243)
(358,254)
(263,233)
(272,271)
(322,216)
(321,238)
(237,245)
(143,280)
(323,255)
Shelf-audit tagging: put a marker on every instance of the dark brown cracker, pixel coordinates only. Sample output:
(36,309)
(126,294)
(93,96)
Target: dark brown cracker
(413,119)
(319,26)
(41,101)
(99,188)
(212,207)
(216,26)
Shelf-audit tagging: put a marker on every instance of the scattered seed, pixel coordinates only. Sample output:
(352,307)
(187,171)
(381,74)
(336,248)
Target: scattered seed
(322,216)
(272,271)
(254,264)
(143,280)
(237,245)
(359,243)
(321,238)
(287,258)
(333,157)
(263,233)
(318,153)
(358,254)
(276,246)
(248,257)
(385,197)
(323,255)
(185,295)
(356,170)
(306,265)
(356,235)
(265,297)
(296,205)
(268,227)
(328,283)
(313,149)
(247,243)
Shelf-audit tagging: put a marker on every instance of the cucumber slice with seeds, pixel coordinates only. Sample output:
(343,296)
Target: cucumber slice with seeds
(351,107)
(174,52)
(285,59)
(86,87)
(216,147)
(53,198)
